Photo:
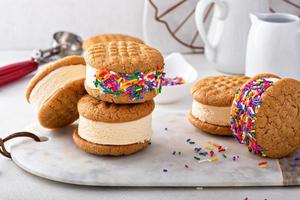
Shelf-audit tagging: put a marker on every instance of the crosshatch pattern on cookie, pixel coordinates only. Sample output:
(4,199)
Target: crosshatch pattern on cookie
(109,38)
(217,90)
(124,57)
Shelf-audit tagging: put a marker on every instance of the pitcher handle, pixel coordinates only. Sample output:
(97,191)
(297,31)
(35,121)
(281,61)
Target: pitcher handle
(199,18)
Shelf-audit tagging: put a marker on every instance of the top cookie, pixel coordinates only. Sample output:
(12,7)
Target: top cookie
(96,110)
(66,61)
(264,75)
(108,38)
(124,57)
(217,90)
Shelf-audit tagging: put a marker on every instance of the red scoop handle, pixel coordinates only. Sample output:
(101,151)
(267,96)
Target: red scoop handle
(15,71)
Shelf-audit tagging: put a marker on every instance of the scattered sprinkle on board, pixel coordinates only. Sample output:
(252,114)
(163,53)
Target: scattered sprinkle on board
(235,157)
(213,159)
(218,146)
(196,158)
(263,164)
(208,148)
(204,160)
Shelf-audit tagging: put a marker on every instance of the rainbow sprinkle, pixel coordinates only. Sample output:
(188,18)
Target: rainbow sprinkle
(196,158)
(213,159)
(135,85)
(263,164)
(173,81)
(235,157)
(246,102)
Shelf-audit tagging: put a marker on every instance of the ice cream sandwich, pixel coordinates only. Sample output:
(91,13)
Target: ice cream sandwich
(55,90)
(265,115)
(212,99)
(123,72)
(113,129)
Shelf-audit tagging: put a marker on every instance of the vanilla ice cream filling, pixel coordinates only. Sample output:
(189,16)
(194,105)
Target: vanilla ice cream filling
(54,81)
(121,133)
(211,114)
(90,76)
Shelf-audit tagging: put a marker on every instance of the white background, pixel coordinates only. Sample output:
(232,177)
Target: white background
(28,24)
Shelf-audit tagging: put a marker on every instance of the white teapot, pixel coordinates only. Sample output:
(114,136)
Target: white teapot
(226,39)
(274,45)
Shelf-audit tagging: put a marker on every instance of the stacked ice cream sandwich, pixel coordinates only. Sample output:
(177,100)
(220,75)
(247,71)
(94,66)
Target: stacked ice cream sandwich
(121,75)
(122,78)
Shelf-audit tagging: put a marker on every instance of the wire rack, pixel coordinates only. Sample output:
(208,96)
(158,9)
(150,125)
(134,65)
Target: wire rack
(190,42)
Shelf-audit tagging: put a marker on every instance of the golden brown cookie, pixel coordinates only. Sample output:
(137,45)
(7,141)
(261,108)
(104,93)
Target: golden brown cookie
(113,129)
(217,90)
(212,98)
(123,72)
(108,38)
(124,57)
(97,110)
(264,75)
(107,150)
(55,90)
(265,116)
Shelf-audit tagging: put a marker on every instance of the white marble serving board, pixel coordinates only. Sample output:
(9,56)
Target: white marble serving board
(60,160)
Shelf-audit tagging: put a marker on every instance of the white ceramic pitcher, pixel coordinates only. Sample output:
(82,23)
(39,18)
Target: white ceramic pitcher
(274,45)
(226,39)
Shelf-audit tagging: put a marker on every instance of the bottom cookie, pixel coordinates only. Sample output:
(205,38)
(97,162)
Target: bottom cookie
(112,150)
(209,128)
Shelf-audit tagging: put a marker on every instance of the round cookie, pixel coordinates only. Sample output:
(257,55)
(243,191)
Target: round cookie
(111,150)
(123,72)
(265,116)
(108,38)
(55,90)
(113,129)
(212,99)
(264,75)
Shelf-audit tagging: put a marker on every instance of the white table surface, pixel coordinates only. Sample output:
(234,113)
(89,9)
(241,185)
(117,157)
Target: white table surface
(15,183)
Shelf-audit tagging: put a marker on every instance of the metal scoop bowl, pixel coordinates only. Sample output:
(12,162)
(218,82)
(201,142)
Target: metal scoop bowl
(63,44)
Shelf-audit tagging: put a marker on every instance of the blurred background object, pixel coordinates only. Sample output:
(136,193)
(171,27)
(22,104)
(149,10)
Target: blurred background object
(288,6)
(226,38)
(265,52)
(169,25)
(63,44)
(182,80)
(175,23)
(27,24)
